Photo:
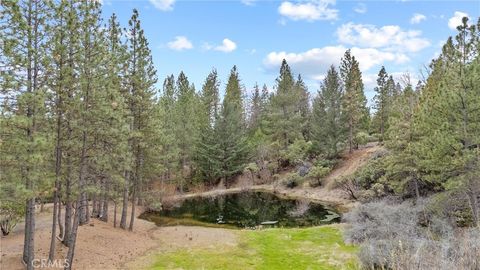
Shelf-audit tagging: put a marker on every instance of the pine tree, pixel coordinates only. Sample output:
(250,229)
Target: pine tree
(24,36)
(141,76)
(304,107)
(89,66)
(285,121)
(170,149)
(59,80)
(400,138)
(207,149)
(449,119)
(112,157)
(354,106)
(186,127)
(231,129)
(383,99)
(327,123)
(255,109)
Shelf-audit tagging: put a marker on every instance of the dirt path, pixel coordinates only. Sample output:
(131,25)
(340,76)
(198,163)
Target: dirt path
(352,162)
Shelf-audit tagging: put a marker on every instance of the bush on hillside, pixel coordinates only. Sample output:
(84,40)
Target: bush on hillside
(317,174)
(292,180)
(297,152)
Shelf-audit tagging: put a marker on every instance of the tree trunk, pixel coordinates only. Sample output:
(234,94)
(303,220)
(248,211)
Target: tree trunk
(123,219)
(94,205)
(82,218)
(51,253)
(60,225)
(350,135)
(104,211)
(28,248)
(73,235)
(132,216)
(114,214)
(68,204)
(87,208)
(56,201)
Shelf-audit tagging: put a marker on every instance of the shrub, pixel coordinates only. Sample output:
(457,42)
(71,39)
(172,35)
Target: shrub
(404,235)
(317,174)
(361,138)
(349,185)
(292,180)
(297,152)
(323,162)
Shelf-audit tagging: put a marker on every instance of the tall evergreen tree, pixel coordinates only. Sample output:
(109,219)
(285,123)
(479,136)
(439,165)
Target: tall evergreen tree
(186,129)
(170,149)
(385,93)
(141,76)
(327,123)
(207,149)
(304,107)
(400,138)
(354,106)
(89,63)
(285,121)
(231,129)
(23,34)
(448,120)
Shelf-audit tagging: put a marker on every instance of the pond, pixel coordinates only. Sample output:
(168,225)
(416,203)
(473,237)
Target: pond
(244,210)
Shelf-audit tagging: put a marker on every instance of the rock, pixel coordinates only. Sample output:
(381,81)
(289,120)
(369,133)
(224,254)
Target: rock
(304,169)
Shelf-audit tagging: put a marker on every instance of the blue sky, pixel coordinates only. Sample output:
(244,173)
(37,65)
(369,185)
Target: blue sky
(195,36)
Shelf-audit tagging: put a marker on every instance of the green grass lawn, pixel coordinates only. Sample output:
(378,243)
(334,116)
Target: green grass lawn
(310,248)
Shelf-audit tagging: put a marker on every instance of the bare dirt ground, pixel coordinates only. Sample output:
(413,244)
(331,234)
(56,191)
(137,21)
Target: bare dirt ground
(100,246)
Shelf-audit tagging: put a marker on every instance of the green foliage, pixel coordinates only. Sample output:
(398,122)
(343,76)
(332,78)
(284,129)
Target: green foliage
(230,129)
(327,121)
(292,180)
(297,152)
(286,119)
(354,109)
(207,149)
(362,138)
(384,97)
(317,174)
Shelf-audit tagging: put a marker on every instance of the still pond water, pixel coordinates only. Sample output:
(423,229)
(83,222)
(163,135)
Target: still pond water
(244,210)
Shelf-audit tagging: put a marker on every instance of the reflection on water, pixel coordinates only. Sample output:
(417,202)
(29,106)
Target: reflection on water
(245,210)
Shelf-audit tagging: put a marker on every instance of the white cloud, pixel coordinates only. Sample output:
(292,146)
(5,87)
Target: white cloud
(163,5)
(207,46)
(389,37)
(248,2)
(180,43)
(315,62)
(417,18)
(227,46)
(310,10)
(360,8)
(456,20)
